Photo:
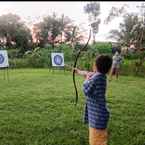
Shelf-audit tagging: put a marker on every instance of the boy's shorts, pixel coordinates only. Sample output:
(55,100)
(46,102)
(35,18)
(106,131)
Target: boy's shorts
(98,136)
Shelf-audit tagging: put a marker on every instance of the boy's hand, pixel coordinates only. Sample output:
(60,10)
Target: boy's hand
(89,75)
(75,69)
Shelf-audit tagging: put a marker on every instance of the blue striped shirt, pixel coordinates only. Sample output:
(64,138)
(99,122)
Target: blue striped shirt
(96,113)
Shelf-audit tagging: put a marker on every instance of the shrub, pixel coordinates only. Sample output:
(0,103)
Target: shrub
(18,63)
(13,53)
(67,50)
(129,68)
(132,56)
(39,57)
(103,47)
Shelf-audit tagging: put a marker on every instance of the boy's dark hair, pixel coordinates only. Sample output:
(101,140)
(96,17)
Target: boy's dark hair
(103,63)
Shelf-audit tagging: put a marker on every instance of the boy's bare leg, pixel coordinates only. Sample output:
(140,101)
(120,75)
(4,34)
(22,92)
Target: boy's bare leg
(97,136)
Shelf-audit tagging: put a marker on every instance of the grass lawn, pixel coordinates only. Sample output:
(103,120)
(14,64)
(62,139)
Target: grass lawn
(37,108)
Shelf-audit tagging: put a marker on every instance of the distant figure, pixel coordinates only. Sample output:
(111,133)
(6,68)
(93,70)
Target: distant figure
(117,60)
(116,49)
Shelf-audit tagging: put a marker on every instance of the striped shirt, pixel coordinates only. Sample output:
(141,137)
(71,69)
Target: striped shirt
(96,113)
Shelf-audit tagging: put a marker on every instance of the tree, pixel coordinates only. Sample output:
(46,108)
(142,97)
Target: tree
(73,35)
(52,29)
(115,12)
(126,33)
(56,30)
(137,32)
(93,11)
(14,32)
(48,30)
(23,39)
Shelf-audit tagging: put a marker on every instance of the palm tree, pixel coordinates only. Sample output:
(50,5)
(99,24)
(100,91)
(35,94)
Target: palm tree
(127,31)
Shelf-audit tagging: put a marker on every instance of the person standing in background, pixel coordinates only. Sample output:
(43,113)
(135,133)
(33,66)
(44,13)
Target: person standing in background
(117,60)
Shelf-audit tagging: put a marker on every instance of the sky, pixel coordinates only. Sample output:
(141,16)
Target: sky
(32,12)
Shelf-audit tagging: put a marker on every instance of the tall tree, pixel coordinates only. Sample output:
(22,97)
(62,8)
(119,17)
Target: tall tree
(132,28)
(13,31)
(47,30)
(137,33)
(52,29)
(93,11)
(73,35)
(125,33)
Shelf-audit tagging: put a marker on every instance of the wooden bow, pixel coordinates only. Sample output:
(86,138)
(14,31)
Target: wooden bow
(74,66)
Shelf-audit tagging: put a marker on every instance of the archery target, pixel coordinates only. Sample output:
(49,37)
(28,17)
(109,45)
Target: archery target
(4,59)
(57,59)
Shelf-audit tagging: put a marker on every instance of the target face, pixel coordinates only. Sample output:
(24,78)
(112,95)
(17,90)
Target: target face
(3,59)
(57,59)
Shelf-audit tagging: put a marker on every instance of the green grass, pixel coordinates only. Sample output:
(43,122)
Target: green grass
(37,108)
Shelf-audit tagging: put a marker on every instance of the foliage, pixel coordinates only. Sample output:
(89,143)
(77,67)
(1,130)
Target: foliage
(19,63)
(67,50)
(54,30)
(132,56)
(39,57)
(115,12)
(132,29)
(129,67)
(14,32)
(125,34)
(88,57)
(103,47)
(93,10)
(13,53)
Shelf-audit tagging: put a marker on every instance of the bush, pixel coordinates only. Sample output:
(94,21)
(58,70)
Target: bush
(13,53)
(67,50)
(129,68)
(103,47)
(18,63)
(132,56)
(39,57)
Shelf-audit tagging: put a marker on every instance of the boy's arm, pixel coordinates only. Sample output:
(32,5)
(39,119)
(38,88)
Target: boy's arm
(81,72)
(86,74)
(88,87)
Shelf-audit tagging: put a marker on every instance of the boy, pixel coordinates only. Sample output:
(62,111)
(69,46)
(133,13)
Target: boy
(94,88)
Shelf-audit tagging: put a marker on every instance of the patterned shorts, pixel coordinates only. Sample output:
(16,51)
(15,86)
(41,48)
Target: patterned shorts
(97,136)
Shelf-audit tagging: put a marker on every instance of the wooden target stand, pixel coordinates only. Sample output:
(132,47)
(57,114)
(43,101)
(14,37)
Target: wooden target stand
(54,69)
(5,72)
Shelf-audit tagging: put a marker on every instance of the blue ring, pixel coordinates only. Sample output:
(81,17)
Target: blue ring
(1,58)
(58,60)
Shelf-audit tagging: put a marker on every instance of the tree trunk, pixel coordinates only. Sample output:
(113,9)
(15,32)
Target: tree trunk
(8,41)
(94,38)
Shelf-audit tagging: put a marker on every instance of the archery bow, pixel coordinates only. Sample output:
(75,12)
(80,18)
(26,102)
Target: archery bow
(74,66)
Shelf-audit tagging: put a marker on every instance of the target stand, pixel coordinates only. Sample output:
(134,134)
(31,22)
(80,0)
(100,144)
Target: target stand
(57,60)
(4,64)
(5,73)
